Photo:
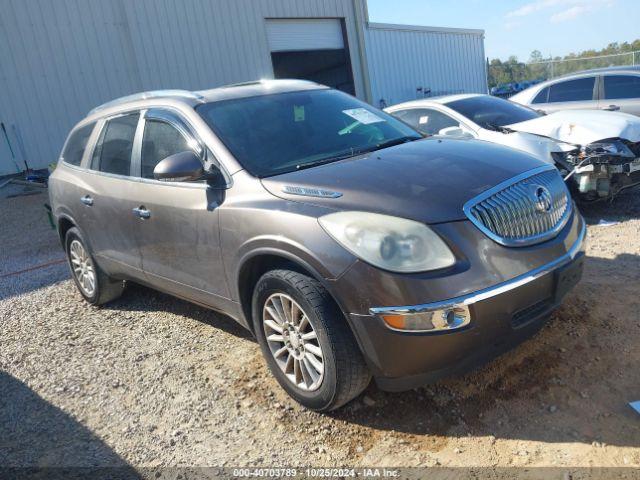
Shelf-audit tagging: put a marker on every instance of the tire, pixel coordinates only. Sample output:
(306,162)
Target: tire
(95,286)
(344,374)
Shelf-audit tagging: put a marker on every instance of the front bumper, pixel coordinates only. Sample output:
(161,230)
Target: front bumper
(502,316)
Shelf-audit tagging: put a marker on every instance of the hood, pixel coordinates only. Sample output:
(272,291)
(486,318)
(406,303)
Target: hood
(541,147)
(427,180)
(583,127)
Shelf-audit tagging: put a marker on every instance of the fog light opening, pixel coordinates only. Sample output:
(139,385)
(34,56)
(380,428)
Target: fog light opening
(455,317)
(449,317)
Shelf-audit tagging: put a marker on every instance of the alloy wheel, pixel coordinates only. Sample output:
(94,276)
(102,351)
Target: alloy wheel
(83,268)
(293,342)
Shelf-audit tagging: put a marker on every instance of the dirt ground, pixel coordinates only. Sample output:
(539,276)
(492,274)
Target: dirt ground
(150,380)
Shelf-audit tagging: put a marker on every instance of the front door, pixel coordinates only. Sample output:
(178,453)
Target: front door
(573,94)
(178,234)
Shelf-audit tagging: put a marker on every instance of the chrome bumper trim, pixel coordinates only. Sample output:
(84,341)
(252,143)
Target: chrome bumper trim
(490,291)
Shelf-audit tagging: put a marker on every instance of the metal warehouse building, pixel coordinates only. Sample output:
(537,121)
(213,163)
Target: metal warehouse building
(59,59)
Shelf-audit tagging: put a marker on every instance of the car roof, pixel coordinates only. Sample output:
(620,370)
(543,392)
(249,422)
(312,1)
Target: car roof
(193,98)
(528,94)
(616,69)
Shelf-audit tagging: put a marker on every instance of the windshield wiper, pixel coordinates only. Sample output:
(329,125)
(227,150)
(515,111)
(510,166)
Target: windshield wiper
(391,143)
(498,128)
(323,161)
(353,152)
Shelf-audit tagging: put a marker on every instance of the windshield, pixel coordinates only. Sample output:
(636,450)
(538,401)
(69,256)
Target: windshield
(491,112)
(283,132)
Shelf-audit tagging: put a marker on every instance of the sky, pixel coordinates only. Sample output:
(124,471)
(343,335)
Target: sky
(517,27)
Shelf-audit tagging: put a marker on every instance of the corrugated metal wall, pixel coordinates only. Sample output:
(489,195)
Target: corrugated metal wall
(402,58)
(59,59)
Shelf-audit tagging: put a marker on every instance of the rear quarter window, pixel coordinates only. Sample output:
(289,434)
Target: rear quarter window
(76,144)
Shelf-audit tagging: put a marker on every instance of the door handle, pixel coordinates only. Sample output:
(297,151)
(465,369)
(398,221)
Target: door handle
(611,108)
(142,212)
(87,200)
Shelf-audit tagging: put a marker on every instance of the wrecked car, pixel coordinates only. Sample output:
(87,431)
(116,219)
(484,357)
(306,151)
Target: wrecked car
(597,152)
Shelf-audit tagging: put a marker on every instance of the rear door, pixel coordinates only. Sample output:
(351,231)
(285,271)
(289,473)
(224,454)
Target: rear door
(178,235)
(570,94)
(107,195)
(620,92)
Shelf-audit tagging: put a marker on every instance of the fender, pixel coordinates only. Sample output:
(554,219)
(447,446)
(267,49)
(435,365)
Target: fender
(285,247)
(314,267)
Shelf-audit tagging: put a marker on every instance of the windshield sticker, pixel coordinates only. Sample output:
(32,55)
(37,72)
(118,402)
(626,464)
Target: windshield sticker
(298,113)
(364,116)
(423,119)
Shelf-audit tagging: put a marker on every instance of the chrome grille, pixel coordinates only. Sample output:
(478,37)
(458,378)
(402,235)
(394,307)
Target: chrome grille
(528,209)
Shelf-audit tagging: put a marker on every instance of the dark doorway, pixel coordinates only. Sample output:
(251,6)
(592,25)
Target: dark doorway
(328,67)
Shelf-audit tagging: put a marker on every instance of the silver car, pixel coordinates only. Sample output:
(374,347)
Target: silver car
(613,89)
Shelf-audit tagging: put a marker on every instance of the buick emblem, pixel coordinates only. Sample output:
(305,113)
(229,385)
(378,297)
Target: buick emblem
(541,198)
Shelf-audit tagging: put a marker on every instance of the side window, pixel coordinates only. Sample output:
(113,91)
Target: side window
(621,86)
(542,96)
(432,121)
(158,142)
(113,151)
(74,149)
(572,90)
(407,116)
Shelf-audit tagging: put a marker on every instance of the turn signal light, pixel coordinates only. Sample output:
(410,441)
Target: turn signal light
(437,320)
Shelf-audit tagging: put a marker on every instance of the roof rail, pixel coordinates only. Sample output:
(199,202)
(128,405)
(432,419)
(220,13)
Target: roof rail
(150,94)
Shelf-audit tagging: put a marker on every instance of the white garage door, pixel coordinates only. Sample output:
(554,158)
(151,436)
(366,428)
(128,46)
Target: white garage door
(286,35)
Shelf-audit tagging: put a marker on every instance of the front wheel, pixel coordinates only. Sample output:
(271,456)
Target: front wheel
(306,341)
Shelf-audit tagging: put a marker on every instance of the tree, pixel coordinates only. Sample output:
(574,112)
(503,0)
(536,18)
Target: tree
(538,67)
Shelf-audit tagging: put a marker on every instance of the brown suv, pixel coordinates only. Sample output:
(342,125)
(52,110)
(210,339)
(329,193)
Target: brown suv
(348,244)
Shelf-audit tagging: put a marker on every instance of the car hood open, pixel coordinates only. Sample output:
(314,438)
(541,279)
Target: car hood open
(582,127)
(426,180)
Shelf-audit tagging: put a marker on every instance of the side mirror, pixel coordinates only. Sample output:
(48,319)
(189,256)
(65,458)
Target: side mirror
(457,132)
(179,167)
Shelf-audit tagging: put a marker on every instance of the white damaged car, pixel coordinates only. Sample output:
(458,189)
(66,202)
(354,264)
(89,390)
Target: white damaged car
(597,152)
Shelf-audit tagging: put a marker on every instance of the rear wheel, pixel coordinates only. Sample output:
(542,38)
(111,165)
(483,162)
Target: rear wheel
(94,285)
(306,341)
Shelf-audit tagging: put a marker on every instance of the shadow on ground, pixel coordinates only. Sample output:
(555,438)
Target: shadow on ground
(625,206)
(138,298)
(36,434)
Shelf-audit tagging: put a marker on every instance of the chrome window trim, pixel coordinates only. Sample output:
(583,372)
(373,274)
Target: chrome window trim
(203,185)
(493,291)
(162,114)
(174,117)
(518,242)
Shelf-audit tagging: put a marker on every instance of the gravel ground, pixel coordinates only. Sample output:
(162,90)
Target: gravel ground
(152,381)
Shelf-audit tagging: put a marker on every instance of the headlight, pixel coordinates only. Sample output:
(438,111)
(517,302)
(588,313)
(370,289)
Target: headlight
(615,147)
(390,243)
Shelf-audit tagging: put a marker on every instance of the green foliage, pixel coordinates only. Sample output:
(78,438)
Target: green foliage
(538,67)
